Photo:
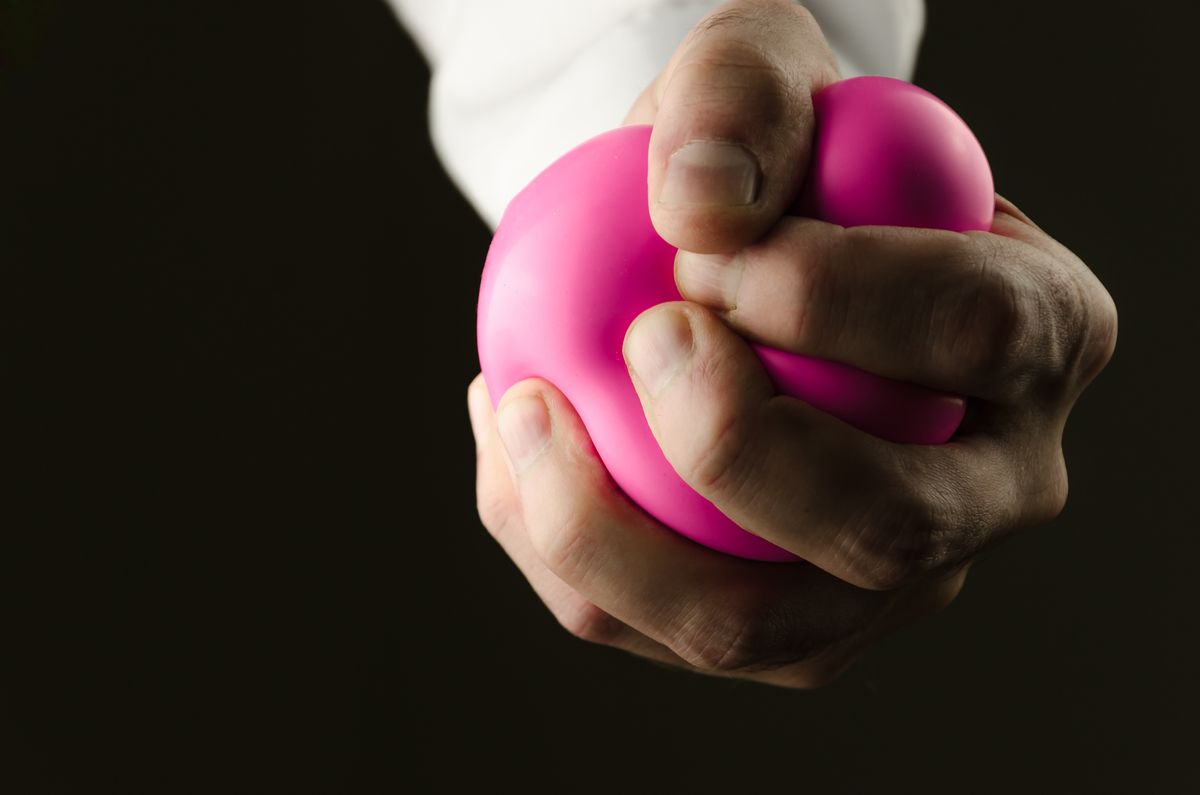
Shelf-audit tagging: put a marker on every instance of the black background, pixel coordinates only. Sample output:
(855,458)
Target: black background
(240,552)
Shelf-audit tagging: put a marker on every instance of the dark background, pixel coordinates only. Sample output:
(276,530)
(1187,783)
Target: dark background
(240,552)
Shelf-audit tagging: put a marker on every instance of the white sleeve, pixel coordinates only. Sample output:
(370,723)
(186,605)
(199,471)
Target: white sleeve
(517,83)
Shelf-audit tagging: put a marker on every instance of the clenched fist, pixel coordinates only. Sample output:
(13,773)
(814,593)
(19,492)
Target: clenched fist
(1008,317)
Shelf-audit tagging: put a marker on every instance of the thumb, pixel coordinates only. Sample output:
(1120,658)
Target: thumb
(733,129)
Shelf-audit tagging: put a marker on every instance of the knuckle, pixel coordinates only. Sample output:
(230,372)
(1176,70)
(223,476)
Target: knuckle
(586,622)
(1080,327)
(568,543)
(729,641)
(802,15)
(494,512)
(751,15)
(991,328)
(796,285)
(724,19)
(913,539)
(733,67)
(1024,321)
(818,310)
(758,39)
(757,633)
(887,570)
(1099,333)
(1066,307)
(495,506)
(1050,492)
(713,461)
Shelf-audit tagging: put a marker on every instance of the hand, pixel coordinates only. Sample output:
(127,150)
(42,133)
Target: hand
(1009,317)
(612,575)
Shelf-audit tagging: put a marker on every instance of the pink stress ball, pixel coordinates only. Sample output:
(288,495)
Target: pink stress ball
(575,259)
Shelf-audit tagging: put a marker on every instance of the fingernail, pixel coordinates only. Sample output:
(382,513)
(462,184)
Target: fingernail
(710,279)
(525,430)
(657,346)
(710,174)
(478,408)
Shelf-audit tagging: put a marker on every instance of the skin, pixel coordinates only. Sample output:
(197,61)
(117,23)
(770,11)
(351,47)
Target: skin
(1008,317)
